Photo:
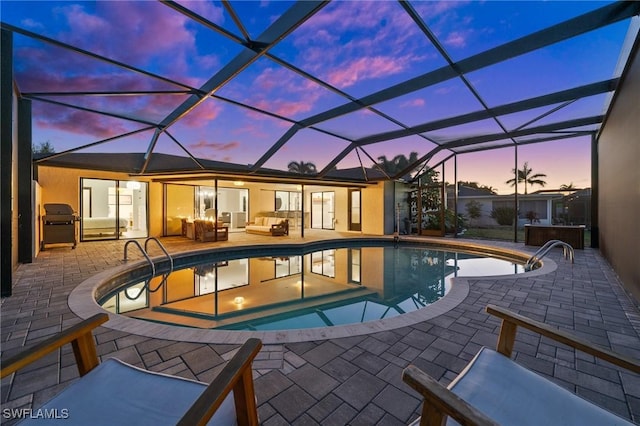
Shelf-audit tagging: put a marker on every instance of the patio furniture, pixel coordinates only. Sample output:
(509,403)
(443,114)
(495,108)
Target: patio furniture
(188,228)
(206,230)
(268,226)
(114,392)
(493,389)
(225,218)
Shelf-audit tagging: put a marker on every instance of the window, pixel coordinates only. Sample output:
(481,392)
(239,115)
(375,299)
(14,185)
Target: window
(532,208)
(288,201)
(286,266)
(323,263)
(179,204)
(354,266)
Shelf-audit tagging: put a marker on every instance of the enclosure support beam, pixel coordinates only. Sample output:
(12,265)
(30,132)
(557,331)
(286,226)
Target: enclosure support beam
(6,162)
(25,176)
(595,236)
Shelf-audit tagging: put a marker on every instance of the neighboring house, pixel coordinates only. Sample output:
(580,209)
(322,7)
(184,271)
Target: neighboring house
(546,207)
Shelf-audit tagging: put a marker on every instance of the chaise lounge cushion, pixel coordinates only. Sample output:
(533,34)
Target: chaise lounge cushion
(115,393)
(512,395)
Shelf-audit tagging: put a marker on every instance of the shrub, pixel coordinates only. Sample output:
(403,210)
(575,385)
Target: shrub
(474,210)
(503,215)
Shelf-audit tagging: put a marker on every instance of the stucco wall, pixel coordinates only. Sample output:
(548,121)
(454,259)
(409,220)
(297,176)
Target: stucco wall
(62,185)
(373,209)
(619,182)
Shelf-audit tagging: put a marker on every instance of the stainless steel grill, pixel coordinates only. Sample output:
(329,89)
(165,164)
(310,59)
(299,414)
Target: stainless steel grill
(59,225)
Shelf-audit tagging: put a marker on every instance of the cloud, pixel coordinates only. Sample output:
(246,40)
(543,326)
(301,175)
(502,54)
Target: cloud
(30,23)
(151,32)
(365,68)
(348,43)
(212,150)
(456,39)
(419,102)
(280,91)
(214,146)
(448,21)
(202,115)
(444,90)
(252,129)
(95,125)
(206,9)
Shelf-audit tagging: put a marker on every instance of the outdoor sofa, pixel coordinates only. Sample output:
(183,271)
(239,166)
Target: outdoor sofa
(267,225)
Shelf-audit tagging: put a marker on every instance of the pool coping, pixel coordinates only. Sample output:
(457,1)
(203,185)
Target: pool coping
(82,300)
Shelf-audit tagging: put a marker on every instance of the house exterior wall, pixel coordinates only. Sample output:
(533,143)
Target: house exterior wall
(373,208)
(62,185)
(485,218)
(487,207)
(619,182)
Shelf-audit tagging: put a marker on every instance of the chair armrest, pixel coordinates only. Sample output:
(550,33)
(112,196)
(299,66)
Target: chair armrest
(440,401)
(81,338)
(511,320)
(237,376)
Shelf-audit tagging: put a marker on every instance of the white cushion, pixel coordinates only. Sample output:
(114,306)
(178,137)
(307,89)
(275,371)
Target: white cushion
(116,393)
(272,221)
(259,220)
(512,395)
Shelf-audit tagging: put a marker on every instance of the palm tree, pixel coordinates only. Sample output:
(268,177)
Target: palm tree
(302,167)
(524,175)
(399,163)
(565,187)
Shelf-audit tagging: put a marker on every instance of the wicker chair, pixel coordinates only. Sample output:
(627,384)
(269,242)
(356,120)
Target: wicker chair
(206,230)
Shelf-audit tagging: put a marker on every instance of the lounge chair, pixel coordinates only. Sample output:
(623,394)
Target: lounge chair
(116,393)
(493,389)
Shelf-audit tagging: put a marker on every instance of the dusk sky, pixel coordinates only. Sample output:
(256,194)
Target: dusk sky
(358,48)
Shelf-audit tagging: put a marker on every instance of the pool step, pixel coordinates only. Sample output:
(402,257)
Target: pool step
(192,318)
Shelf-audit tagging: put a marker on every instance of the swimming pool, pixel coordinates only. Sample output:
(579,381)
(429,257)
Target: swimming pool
(319,285)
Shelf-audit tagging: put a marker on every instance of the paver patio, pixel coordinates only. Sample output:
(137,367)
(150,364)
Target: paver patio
(354,380)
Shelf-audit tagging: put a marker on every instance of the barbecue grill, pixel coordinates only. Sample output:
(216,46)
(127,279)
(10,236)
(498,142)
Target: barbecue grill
(59,225)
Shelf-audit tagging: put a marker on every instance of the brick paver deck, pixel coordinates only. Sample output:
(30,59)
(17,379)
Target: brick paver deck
(354,380)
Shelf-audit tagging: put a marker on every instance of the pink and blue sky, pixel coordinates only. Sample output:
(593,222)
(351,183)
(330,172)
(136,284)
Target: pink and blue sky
(357,47)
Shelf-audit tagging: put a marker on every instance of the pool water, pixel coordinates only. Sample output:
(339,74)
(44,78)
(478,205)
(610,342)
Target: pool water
(273,291)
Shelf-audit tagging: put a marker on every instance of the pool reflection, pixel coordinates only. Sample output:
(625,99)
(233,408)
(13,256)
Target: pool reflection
(324,288)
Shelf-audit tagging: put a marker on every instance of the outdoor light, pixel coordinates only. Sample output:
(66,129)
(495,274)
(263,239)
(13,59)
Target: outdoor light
(238,183)
(238,300)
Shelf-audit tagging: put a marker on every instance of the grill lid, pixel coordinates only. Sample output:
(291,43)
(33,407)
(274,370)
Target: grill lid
(54,209)
(58,214)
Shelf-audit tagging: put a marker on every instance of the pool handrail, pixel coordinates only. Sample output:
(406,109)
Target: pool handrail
(144,253)
(146,243)
(567,250)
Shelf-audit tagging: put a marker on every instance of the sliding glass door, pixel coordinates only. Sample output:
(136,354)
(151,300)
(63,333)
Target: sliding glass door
(111,209)
(322,210)
(354,210)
